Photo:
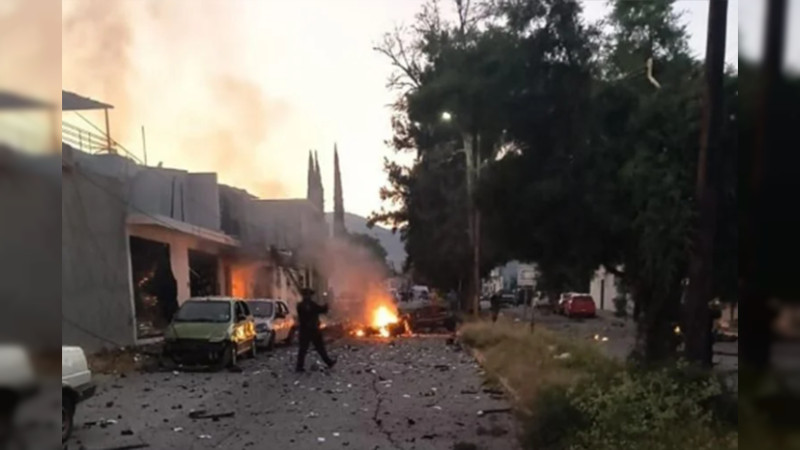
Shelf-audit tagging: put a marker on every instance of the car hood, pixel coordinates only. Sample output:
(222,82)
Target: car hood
(196,330)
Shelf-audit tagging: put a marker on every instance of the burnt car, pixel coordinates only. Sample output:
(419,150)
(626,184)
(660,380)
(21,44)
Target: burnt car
(432,317)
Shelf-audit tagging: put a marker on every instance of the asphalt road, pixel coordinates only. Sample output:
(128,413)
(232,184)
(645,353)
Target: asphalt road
(620,334)
(409,393)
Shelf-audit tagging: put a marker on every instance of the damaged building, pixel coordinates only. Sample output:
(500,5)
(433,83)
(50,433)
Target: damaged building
(139,240)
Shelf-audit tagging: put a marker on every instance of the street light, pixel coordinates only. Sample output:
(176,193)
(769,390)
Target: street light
(472,159)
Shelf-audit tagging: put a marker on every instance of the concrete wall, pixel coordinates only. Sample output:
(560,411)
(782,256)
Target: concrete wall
(202,200)
(96,290)
(30,191)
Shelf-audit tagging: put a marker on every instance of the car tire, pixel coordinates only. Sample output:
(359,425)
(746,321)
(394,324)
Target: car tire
(253,349)
(67,415)
(290,338)
(229,357)
(271,341)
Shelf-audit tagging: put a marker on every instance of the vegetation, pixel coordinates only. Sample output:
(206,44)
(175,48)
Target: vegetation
(575,398)
(588,146)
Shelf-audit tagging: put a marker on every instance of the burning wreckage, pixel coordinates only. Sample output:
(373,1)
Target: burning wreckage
(384,319)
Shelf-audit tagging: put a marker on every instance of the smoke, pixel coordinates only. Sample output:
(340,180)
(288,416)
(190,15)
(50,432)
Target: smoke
(178,69)
(29,44)
(357,279)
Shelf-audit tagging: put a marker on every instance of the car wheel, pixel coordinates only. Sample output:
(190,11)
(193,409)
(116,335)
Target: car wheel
(271,340)
(290,339)
(253,349)
(229,356)
(67,416)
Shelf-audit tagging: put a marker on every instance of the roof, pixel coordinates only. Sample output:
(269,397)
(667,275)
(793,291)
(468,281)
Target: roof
(71,101)
(10,100)
(183,227)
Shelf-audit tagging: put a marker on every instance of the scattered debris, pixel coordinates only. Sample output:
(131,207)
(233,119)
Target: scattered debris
(202,414)
(493,411)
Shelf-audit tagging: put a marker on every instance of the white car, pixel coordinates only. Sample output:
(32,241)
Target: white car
(274,322)
(76,386)
(17,383)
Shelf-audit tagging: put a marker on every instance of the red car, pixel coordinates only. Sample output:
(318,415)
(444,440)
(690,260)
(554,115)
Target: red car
(580,305)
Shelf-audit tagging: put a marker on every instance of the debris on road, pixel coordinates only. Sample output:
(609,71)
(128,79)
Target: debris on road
(202,414)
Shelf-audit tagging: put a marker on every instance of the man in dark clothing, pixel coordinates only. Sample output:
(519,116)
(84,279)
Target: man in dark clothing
(308,313)
(495,300)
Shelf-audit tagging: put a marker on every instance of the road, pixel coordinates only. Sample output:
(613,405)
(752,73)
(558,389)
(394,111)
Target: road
(620,334)
(409,393)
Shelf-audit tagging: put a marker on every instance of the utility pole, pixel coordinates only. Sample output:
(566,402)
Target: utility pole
(698,319)
(473,167)
(754,290)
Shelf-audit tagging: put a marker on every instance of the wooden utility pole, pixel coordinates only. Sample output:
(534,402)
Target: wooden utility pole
(472,156)
(754,290)
(698,319)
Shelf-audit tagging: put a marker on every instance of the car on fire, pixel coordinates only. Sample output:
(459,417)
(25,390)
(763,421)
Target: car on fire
(274,322)
(211,330)
(429,318)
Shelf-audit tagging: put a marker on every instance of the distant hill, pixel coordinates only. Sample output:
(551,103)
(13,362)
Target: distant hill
(390,241)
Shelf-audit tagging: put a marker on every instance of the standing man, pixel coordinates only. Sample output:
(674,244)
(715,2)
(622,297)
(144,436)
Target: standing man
(495,300)
(308,313)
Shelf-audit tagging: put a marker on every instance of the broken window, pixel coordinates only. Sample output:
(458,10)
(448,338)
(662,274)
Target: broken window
(155,291)
(203,274)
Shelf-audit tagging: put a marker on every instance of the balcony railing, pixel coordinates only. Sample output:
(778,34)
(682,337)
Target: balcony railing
(84,140)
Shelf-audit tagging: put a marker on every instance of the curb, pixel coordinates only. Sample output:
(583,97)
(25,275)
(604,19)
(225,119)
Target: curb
(504,383)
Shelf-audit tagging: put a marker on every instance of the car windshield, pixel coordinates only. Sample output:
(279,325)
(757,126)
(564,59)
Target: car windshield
(262,309)
(204,311)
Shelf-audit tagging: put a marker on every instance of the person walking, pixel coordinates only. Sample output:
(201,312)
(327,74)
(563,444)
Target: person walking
(308,313)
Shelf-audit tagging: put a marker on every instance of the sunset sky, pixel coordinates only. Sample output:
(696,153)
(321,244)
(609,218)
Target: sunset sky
(246,88)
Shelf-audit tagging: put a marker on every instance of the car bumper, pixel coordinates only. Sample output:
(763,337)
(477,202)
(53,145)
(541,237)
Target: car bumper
(86,392)
(194,352)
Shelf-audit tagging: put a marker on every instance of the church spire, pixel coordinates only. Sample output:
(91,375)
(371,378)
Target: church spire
(338,200)
(311,179)
(320,199)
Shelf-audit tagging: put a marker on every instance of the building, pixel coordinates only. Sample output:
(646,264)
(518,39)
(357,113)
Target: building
(603,289)
(138,241)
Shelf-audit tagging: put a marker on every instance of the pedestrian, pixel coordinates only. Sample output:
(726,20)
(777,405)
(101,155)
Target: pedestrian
(308,313)
(495,300)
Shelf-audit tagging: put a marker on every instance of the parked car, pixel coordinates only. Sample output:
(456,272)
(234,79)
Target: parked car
(580,305)
(214,330)
(76,386)
(273,321)
(17,384)
(562,302)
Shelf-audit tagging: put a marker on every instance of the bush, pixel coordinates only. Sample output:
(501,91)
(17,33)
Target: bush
(629,409)
(621,306)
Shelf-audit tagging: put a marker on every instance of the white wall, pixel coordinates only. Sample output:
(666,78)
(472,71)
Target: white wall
(604,293)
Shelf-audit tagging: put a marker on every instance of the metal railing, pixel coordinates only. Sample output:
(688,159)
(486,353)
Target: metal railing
(84,140)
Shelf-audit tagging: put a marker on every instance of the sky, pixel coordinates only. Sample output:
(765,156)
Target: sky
(247,88)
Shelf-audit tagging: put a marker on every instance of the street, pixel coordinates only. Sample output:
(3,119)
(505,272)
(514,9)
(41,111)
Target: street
(408,393)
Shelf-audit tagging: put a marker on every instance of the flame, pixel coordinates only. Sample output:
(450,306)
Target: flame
(382,318)
(360,333)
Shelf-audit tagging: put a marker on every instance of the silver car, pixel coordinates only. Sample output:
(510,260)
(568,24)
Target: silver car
(274,322)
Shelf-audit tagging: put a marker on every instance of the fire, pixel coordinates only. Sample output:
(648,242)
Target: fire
(382,318)
(360,333)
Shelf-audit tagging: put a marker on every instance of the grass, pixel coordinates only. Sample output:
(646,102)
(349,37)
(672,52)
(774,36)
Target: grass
(571,396)
(528,360)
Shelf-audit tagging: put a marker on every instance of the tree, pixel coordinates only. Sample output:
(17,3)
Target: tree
(371,245)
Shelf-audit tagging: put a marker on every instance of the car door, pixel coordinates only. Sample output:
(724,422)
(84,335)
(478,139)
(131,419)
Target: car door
(281,321)
(244,330)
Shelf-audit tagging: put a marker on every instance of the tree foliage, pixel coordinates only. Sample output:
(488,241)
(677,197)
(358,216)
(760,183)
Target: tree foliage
(589,141)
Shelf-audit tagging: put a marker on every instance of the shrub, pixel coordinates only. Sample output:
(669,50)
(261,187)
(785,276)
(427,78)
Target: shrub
(621,306)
